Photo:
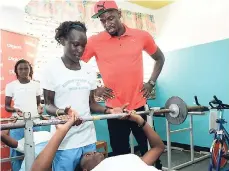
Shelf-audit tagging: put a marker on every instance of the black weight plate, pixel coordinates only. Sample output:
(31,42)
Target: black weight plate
(183,110)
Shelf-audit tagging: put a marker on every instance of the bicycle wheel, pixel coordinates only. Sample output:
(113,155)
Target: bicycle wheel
(215,149)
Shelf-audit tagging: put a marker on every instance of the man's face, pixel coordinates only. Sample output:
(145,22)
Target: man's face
(91,160)
(111,21)
(74,44)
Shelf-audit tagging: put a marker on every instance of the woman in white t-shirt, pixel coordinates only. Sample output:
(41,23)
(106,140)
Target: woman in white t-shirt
(68,81)
(25,94)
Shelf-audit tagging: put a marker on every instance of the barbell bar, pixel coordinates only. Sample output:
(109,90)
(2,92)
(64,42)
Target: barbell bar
(175,111)
(58,121)
(21,118)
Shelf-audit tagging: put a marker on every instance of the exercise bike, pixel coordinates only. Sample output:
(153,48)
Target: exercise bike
(219,149)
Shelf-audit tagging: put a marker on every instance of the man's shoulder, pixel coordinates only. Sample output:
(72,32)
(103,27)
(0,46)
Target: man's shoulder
(138,32)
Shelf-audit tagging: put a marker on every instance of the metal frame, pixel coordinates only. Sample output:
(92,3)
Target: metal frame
(169,148)
(29,123)
(4,160)
(30,148)
(29,143)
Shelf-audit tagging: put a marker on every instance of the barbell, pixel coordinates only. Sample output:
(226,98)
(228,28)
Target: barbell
(175,111)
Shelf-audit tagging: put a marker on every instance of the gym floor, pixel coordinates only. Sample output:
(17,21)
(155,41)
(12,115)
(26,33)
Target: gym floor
(179,157)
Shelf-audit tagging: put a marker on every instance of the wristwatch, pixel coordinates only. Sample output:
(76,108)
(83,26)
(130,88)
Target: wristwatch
(151,82)
(142,125)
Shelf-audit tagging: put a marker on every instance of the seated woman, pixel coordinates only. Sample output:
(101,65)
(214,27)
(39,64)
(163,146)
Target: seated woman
(95,161)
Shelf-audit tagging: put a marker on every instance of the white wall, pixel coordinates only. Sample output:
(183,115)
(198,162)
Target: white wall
(191,22)
(12,19)
(12,13)
(133,7)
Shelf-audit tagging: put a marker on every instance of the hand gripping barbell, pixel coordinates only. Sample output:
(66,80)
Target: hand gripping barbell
(175,111)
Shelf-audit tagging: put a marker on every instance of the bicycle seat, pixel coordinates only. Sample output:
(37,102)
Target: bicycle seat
(212,131)
(226,156)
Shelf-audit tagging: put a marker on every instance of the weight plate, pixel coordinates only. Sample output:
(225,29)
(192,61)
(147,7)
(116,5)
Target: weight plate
(174,108)
(182,112)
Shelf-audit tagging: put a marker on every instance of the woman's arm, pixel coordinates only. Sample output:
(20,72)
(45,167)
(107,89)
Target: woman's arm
(156,144)
(6,139)
(44,160)
(10,109)
(49,104)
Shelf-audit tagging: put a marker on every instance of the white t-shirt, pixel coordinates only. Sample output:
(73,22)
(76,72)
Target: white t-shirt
(130,162)
(38,137)
(72,88)
(24,96)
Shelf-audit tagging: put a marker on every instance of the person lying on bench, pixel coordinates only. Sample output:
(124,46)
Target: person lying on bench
(94,161)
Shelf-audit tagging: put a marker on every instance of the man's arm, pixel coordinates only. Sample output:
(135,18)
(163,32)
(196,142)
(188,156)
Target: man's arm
(155,52)
(104,92)
(159,58)
(96,107)
(49,104)
(44,160)
(6,139)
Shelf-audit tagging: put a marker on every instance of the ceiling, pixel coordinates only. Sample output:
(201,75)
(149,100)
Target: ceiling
(18,4)
(152,4)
